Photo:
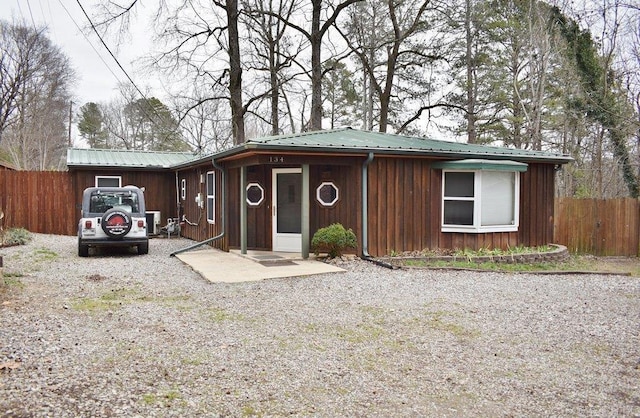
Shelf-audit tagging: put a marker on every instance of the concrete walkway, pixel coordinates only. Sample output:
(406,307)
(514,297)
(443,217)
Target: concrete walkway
(233,267)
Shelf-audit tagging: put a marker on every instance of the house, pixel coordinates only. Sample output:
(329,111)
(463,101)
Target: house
(6,166)
(397,193)
(149,169)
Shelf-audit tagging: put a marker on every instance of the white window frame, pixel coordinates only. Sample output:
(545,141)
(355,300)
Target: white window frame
(477,226)
(98,178)
(259,202)
(319,198)
(211,197)
(183,189)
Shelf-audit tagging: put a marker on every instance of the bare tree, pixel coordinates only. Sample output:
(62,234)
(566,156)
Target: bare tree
(35,78)
(272,51)
(193,35)
(206,127)
(387,37)
(315,36)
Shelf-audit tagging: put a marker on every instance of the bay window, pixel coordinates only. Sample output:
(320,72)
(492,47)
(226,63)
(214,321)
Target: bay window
(480,196)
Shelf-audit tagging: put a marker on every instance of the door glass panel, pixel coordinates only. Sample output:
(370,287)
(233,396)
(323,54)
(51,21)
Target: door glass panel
(289,203)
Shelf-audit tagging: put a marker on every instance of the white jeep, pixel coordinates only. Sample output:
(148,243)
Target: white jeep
(112,217)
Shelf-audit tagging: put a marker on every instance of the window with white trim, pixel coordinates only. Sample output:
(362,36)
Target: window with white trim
(108,181)
(183,189)
(211,197)
(327,193)
(480,201)
(255,194)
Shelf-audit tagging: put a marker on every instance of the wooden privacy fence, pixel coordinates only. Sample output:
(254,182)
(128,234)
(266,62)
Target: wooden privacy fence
(599,227)
(39,201)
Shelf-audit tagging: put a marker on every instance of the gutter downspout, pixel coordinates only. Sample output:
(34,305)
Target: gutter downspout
(223,205)
(365,207)
(177,197)
(365,217)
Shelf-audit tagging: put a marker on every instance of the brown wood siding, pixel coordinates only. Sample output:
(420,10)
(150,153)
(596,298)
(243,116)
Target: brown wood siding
(258,217)
(196,226)
(400,205)
(41,202)
(159,195)
(405,198)
(536,205)
(259,223)
(347,210)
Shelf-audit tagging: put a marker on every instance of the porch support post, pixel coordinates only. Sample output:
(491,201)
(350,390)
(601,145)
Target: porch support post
(243,210)
(306,239)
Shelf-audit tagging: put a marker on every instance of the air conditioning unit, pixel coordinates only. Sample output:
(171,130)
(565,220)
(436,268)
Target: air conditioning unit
(154,222)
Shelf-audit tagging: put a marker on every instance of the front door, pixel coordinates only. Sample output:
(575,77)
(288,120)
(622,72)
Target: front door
(287,209)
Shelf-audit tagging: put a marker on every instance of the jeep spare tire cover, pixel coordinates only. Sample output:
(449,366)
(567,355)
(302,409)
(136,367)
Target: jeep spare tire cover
(116,223)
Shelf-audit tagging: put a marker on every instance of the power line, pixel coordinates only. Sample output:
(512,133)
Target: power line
(33,21)
(95,30)
(142,109)
(89,42)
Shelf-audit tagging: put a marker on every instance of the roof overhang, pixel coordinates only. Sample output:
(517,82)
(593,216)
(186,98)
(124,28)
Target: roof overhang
(488,165)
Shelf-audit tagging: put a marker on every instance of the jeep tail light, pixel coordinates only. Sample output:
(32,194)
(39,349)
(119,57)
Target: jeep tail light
(140,223)
(87,224)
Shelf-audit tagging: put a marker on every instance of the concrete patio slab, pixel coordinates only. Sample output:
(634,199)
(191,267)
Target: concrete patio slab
(232,267)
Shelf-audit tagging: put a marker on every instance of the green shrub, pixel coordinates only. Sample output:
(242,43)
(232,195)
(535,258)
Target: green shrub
(16,236)
(333,239)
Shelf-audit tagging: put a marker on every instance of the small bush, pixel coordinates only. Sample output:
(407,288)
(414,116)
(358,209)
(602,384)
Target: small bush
(333,239)
(16,236)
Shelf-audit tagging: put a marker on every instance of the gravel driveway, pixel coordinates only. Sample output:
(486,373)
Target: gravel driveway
(128,335)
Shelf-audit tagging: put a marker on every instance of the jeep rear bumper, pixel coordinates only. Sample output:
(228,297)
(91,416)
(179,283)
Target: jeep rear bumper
(101,242)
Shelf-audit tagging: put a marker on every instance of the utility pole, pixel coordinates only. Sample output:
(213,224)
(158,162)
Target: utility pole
(70,113)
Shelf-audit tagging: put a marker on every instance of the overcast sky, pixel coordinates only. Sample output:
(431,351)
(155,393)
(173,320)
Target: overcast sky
(98,74)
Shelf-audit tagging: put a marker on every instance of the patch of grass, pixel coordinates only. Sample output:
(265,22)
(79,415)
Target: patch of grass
(118,297)
(360,334)
(444,321)
(167,398)
(12,282)
(469,253)
(221,315)
(45,254)
(573,263)
(110,300)
(251,411)
(9,282)
(488,265)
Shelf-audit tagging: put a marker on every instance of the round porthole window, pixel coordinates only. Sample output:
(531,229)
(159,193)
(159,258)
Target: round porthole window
(255,194)
(327,193)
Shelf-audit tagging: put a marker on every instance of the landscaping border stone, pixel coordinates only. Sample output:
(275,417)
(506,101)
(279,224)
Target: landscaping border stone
(558,254)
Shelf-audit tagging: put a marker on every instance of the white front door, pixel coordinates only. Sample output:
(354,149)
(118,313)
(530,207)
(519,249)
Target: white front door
(287,209)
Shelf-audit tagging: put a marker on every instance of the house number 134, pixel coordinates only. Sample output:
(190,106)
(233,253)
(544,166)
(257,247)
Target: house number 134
(276,159)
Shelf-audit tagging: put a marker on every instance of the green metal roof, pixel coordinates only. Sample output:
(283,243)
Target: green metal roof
(112,158)
(354,141)
(345,140)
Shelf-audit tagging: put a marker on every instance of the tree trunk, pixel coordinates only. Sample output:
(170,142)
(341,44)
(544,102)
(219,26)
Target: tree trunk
(471,83)
(235,74)
(315,123)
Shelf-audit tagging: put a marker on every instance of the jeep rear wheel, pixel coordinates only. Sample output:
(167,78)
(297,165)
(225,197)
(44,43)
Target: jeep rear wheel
(116,223)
